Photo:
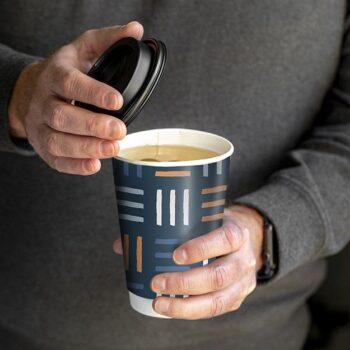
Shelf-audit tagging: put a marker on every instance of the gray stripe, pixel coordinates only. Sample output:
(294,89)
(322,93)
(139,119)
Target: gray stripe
(135,285)
(205,170)
(126,169)
(139,171)
(169,241)
(163,255)
(129,190)
(130,204)
(131,217)
(171,268)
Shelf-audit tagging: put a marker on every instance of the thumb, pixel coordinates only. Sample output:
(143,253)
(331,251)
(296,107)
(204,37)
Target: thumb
(94,42)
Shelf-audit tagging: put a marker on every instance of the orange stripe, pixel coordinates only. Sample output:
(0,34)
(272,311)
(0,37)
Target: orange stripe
(213,203)
(216,189)
(212,217)
(172,173)
(126,251)
(139,254)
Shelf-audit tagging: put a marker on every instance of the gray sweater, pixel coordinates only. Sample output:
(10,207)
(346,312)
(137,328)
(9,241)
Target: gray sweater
(273,77)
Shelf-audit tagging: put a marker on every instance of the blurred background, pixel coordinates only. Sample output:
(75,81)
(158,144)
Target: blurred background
(330,307)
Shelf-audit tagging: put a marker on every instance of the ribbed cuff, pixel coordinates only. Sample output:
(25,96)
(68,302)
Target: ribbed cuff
(11,65)
(298,222)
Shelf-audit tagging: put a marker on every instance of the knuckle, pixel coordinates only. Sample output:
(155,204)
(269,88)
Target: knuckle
(236,305)
(252,263)
(229,237)
(217,306)
(85,147)
(34,141)
(92,125)
(251,287)
(56,165)
(58,118)
(69,81)
(203,248)
(93,95)
(52,162)
(219,276)
(88,33)
(52,144)
(182,283)
(249,263)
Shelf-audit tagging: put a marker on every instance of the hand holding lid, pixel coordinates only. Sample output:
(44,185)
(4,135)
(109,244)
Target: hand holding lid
(133,68)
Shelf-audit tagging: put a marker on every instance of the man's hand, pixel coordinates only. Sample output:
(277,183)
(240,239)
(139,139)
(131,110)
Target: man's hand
(222,285)
(70,139)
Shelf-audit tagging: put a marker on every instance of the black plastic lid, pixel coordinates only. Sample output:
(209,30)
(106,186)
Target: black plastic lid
(133,68)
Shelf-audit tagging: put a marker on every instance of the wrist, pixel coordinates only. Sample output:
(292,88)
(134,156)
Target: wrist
(19,101)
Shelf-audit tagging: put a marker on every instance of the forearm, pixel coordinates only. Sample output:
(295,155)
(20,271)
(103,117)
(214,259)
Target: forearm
(12,64)
(309,200)
(19,99)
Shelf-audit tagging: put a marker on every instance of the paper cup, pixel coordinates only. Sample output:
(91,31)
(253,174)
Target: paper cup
(163,204)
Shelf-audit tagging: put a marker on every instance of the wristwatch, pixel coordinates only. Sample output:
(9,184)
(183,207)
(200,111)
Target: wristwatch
(269,253)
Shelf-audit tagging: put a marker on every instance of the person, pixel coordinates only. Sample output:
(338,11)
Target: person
(272,77)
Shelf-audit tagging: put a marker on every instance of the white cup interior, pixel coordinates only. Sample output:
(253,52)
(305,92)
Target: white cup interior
(183,137)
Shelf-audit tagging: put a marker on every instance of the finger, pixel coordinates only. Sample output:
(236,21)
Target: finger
(224,240)
(72,166)
(70,83)
(207,305)
(60,144)
(215,276)
(117,247)
(95,42)
(74,120)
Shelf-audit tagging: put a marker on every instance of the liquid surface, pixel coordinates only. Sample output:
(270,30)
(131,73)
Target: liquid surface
(166,153)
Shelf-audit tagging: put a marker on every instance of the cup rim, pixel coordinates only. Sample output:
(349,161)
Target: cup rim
(204,161)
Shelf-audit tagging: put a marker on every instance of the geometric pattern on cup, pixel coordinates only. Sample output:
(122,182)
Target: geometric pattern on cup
(159,209)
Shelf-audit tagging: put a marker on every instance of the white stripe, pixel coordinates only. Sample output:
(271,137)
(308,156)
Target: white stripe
(172,207)
(205,262)
(172,295)
(186,206)
(185,296)
(219,168)
(130,204)
(131,217)
(205,170)
(129,190)
(159,295)
(159,207)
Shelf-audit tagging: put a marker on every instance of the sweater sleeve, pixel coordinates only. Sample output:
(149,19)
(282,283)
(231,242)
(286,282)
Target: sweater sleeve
(308,201)
(11,65)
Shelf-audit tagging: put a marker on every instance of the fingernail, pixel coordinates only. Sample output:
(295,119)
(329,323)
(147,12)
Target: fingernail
(180,256)
(112,101)
(158,284)
(90,165)
(108,148)
(116,130)
(162,306)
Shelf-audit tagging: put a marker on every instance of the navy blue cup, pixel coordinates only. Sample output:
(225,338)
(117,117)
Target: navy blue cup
(163,204)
